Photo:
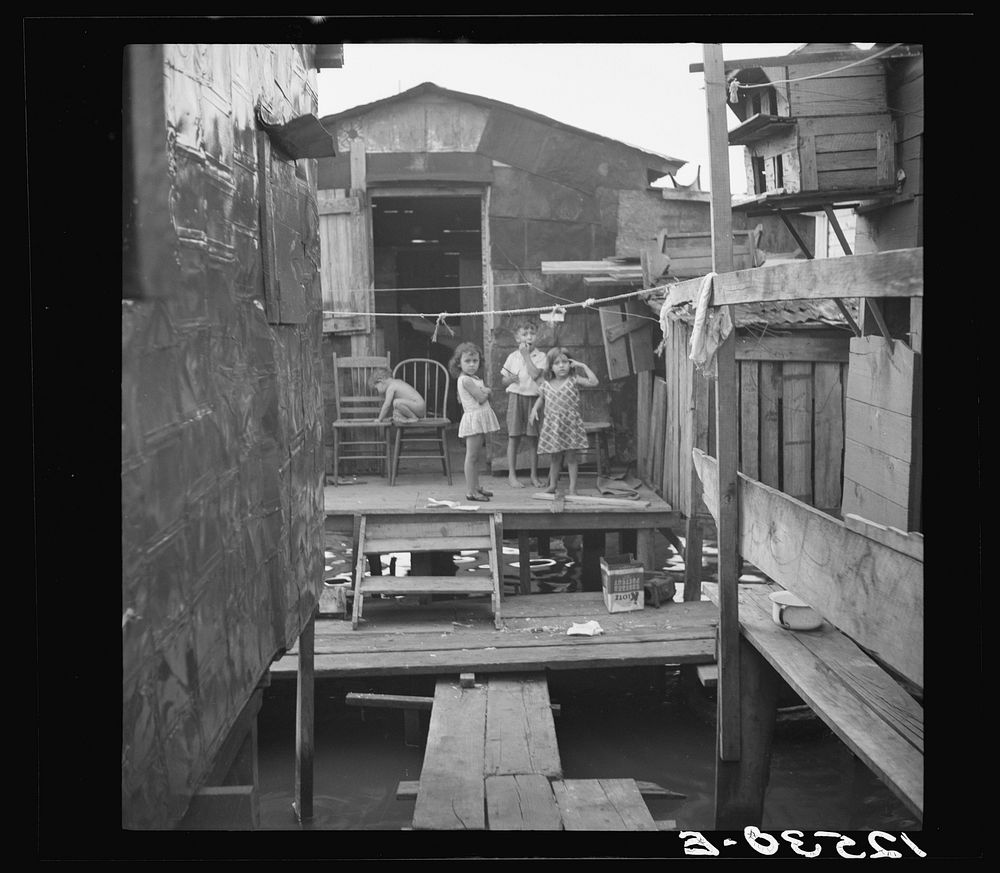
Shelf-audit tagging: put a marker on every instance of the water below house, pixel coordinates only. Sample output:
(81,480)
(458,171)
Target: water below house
(635,723)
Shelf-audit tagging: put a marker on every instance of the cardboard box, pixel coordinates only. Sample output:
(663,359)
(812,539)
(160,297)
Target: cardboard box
(622,584)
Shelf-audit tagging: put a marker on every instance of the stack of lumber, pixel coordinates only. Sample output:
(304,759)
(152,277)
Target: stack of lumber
(609,271)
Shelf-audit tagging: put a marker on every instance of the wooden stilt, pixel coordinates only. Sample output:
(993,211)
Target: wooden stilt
(692,559)
(627,542)
(524,559)
(644,552)
(304,724)
(590,566)
(726,415)
(740,784)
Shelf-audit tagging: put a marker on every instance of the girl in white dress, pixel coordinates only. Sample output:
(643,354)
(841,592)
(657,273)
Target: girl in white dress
(478,417)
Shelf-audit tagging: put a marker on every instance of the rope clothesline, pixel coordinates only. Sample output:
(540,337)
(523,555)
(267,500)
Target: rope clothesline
(590,302)
(442,287)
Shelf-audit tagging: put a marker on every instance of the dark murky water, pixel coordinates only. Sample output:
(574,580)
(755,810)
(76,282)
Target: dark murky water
(637,723)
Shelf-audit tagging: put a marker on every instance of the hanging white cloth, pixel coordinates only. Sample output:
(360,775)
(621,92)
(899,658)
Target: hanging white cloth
(711,327)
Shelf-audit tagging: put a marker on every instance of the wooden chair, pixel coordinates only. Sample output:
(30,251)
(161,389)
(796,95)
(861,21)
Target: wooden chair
(432,380)
(357,408)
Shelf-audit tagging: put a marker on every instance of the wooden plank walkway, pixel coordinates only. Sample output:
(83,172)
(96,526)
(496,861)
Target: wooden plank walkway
(452,637)
(857,699)
(492,763)
(602,805)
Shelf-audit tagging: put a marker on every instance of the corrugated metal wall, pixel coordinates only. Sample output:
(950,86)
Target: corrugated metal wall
(222,466)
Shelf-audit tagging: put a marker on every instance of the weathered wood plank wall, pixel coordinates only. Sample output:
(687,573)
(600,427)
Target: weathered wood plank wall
(791,418)
(222,501)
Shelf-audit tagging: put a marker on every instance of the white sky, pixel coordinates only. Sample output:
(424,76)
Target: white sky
(639,93)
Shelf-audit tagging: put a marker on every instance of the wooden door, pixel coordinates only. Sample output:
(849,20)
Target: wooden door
(346,266)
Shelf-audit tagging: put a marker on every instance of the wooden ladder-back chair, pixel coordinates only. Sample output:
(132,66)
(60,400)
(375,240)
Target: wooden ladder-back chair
(431,379)
(357,408)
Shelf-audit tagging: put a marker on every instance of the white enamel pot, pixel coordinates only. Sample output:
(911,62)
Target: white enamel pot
(793,613)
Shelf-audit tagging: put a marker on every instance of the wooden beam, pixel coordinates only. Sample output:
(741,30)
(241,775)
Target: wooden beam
(793,348)
(726,417)
(388,701)
(359,175)
(304,723)
(811,58)
(898,273)
(911,543)
(871,592)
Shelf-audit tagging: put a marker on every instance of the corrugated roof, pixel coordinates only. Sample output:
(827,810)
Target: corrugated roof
(431,88)
(792,314)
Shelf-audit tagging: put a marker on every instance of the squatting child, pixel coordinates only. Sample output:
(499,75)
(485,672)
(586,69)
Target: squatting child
(402,400)
(478,417)
(521,372)
(562,430)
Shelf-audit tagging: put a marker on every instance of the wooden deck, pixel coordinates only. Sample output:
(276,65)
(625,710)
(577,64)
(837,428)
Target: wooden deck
(458,636)
(520,509)
(522,512)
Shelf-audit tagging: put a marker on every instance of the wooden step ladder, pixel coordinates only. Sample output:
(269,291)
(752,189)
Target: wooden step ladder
(433,532)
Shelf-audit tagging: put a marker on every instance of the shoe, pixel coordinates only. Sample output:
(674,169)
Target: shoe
(478,498)
(484,492)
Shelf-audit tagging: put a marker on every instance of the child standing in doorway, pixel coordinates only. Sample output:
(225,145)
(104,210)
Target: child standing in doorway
(521,372)
(562,430)
(478,417)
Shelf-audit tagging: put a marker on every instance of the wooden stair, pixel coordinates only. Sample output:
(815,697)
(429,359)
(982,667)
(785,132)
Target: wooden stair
(434,532)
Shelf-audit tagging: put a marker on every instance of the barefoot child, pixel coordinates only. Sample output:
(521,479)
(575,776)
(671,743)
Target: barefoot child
(521,372)
(402,399)
(562,429)
(478,417)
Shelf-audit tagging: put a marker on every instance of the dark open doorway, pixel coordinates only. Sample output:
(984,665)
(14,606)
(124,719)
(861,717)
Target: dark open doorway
(428,259)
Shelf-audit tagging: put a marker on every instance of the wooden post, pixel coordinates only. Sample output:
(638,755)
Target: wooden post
(740,785)
(544,546)
(590,564)
(524,559)
(726,393)
(644,548)
(304,726)
(644,394)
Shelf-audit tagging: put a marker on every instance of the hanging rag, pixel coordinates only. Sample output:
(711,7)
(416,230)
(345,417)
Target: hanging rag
(710,329)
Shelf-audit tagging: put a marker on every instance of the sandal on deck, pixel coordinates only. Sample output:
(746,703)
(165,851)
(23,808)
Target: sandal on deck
(484,492)
(477,498)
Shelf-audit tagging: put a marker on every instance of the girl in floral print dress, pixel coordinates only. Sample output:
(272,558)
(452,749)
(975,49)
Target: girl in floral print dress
(562,430)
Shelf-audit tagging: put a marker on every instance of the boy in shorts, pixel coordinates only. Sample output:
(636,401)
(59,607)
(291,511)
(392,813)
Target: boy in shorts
(521,372)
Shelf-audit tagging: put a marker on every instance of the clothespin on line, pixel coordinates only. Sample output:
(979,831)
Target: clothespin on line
(556,314)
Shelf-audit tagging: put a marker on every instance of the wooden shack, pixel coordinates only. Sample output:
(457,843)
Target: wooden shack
(870,165)
(812,124)
(222,417)
(792,364)
(459,199)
